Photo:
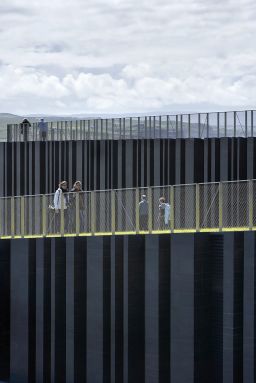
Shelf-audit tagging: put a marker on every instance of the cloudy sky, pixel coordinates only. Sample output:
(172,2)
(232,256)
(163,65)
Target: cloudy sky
(123,56)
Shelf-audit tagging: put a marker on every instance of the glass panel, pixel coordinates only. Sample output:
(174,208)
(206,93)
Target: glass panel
(185,126)
(222,124)
(240,124)
(213,124)
(172,126)
(230,116)
(194,128)
(103,211)
(164,127)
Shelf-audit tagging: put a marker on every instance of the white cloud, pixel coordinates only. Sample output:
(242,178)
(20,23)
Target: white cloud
(125,56)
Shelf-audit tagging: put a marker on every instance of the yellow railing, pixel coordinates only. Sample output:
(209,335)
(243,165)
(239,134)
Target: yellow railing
(209,207)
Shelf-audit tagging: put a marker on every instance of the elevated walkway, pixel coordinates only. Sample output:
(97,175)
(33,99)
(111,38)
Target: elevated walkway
(198,125)
(209,207)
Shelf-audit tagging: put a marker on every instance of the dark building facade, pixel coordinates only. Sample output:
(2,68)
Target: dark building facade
(37,167)
(129,309)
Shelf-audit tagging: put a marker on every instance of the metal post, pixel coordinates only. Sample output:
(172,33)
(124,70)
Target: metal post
(199,125)
(225,124)
(181,126)
(138,127)
(197,208)
(234,124)
(77,214)
(113,211)
(137,225)
(62,224)
(218,125)
(160,127)
(189,126)
(168,123)
(130,127)
(44,230)
(246,123)
(172,208)
(12,217)
(252,123)
(93,213)
(207,124)
(150,210)
(250,204)
(220,206)
(177,124)
(22,216)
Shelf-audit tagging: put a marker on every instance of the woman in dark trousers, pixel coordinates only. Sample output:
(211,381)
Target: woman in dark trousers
(77,188)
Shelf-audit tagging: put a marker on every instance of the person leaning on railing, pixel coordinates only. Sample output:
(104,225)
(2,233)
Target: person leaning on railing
(77,188)
(61,199)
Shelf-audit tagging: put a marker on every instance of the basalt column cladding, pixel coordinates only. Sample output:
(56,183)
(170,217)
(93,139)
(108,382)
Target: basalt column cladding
(128,309)
(37,167)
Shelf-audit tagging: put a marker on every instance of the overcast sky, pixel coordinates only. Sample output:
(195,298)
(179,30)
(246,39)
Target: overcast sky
(121,56)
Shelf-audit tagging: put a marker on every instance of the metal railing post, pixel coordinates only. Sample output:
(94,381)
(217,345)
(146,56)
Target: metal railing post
(250,204)
(44,215)
(77,214)
(150,210)
(225,124)
(234,124)
(62,223)
(22,216)
(137,220)
(220,206)
(218,125)
(197,208)
(93,213)
(12,217)
(172,208)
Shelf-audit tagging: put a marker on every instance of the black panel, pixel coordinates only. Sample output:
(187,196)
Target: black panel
(32,312)
(5,310)
(164,308)
(80,283)
(60,310)
(136,309)
(107,310)
(119,317)
(47,311)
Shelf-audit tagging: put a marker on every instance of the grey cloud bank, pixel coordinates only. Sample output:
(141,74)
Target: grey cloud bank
(120,56)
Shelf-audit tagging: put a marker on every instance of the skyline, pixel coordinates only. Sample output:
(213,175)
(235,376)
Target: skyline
(126,57)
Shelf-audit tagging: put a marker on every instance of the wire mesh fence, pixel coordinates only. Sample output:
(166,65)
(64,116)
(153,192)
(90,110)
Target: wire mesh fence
(197,125)
(178,208)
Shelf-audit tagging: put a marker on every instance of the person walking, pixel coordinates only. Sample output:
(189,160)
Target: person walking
(164,214)
(143,213)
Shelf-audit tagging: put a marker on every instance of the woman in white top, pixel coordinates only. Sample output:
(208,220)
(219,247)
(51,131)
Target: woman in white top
(59,196)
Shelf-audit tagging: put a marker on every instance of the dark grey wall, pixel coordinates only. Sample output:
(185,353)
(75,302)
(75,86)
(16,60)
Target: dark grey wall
(153,309)
(37,167)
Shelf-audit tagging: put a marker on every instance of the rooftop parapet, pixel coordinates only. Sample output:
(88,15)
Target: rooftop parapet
(210,207)
(199,125)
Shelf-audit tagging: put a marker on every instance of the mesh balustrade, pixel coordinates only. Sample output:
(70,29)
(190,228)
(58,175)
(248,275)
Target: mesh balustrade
(178,208)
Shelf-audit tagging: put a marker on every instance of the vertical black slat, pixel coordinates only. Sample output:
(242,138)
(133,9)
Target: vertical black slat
(8,169)
(242,173)
(14,182)
(99,163)
(151,159)
(166,162)
(208,308)
(60,310)
(230,163)
(135,160)
(124,166)
(183,159)
(136,309)
(119,291)
(115,164)
(198,160)
(217,160)
(106,163)
(139,159)
(88,164)
(91,162)
(43,168)
(80,317)
(238,306)
(47,311)
(161,162)
(63,159)
(33,168)
(234,158)
(171,162)
(5,310)
(164,308)
(209,160)
(74,163)
(145,164)
(32,312)
(107,309)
